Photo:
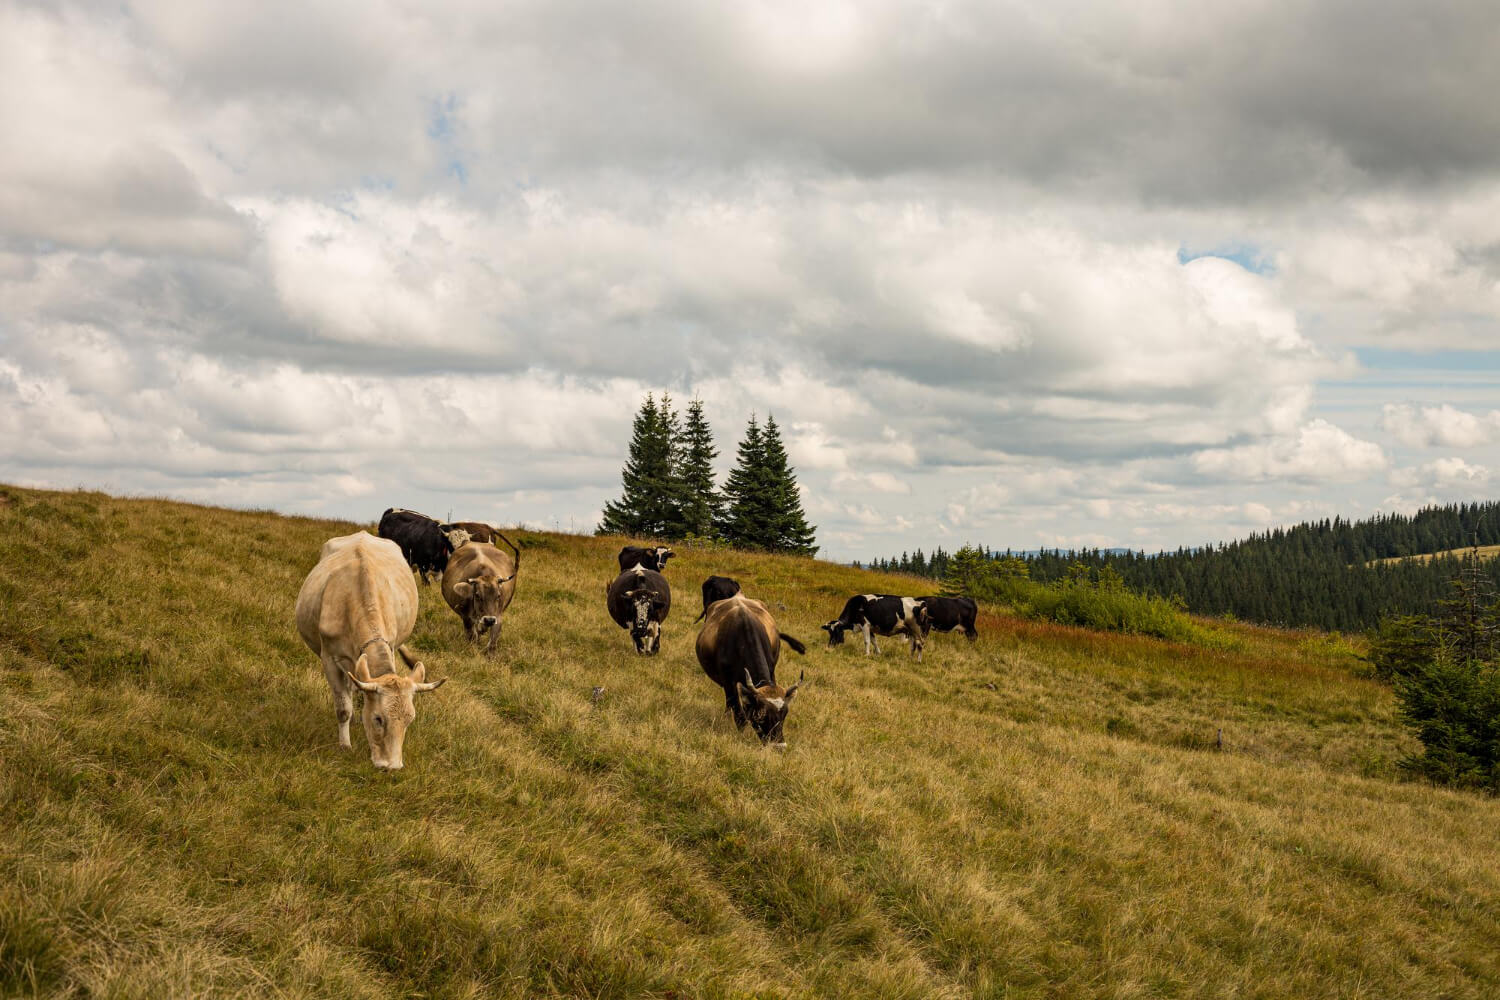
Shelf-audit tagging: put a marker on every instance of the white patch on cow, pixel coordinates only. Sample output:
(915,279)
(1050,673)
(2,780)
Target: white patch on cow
(777,703)
(909,607)
(871,597)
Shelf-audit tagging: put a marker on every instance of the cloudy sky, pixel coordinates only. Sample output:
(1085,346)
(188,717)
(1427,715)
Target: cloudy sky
(1020,274)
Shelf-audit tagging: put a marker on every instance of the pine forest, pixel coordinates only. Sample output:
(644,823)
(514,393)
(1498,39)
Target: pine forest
(1334,574)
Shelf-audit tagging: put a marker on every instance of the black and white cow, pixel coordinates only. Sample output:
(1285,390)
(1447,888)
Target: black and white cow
(880,614)
(424,542)
(717,588)
(639,600)
(654,558)
(949,614)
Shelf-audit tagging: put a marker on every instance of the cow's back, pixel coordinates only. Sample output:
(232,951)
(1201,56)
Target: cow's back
(731,627)
(348,566)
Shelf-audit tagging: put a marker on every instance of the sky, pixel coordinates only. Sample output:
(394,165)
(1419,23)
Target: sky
(1012,274)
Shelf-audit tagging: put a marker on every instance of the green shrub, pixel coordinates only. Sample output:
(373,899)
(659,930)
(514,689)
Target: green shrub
(1452,705)
(1098,602)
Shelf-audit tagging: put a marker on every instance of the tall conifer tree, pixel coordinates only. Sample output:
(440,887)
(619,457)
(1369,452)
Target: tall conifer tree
(746,518)
(788,529)
(702,505)
(648,505)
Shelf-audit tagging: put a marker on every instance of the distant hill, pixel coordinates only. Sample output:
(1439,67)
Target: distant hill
(1336,574)
(1483,552)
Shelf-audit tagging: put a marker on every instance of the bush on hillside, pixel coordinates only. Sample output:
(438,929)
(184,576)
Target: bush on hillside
(1089,599)
(1452,705)
(1401,645)
(1446,673)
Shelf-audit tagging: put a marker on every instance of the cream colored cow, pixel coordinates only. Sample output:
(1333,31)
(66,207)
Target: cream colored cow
(355,609)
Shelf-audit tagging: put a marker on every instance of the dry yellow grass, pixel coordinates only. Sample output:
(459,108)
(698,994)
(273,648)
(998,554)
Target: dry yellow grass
(1045,813)
(1485,552)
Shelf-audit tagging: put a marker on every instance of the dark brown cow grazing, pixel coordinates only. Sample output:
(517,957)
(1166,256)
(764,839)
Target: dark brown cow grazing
(738,649)
(950,614)
(716,588)
(639,600)
(478,584)
(654,558)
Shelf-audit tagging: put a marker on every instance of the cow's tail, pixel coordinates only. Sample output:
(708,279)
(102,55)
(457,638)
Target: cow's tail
(794,643)
(513,548)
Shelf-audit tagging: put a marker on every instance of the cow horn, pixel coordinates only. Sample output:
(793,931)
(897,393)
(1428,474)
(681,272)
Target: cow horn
(749,683)
(793,689)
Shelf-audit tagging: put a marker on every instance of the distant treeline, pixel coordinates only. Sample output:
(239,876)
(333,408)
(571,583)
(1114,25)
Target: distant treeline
(1322,573)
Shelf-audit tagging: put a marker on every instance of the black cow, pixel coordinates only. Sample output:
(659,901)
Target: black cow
(949,614)
(738,649)
(880,614)
(654,558)
(425,543)
(639,600)
(717,588)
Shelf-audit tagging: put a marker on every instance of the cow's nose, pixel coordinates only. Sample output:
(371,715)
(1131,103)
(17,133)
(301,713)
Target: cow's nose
(488,620)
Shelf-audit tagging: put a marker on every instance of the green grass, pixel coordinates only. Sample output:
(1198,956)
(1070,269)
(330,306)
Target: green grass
(1045,813)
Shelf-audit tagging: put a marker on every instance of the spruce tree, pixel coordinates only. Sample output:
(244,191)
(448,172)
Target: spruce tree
(648,505)
(702,505)
(746,519)
(788,527)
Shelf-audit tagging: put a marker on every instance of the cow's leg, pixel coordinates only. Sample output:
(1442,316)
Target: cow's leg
(343,697)
(732,705)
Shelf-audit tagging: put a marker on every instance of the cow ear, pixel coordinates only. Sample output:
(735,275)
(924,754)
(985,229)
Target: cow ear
(464,589)
(748,695)
(418,672)
(827,628)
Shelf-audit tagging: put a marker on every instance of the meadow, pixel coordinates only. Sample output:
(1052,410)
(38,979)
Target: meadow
(1049,812)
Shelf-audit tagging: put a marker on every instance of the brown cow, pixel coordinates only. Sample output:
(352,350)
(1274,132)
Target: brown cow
(478,584)
(355,609)
(738,649)
(483,531)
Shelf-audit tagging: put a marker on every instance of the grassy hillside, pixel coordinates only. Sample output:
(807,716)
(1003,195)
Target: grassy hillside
(1485,552)
(1043,814)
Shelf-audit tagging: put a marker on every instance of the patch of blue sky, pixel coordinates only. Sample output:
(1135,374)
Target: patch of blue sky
(1247,255)
(442,128)
(1385,359)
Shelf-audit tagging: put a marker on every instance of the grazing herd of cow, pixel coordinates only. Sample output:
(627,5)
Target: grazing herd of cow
(358,606)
